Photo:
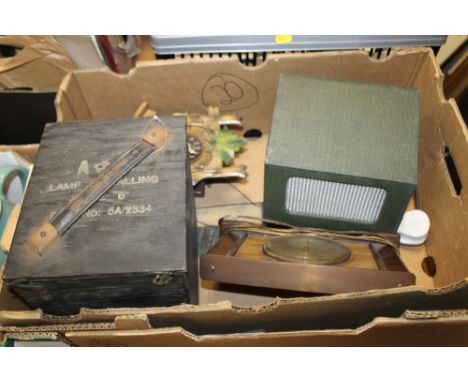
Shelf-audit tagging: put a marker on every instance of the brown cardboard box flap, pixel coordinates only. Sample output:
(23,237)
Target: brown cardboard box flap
(442,129)
(341,311)
(380,332)
(37,317)
(406,316)
(28,152)
(40,65)
(447,330)
(434,314)
(22,41)
(193,84)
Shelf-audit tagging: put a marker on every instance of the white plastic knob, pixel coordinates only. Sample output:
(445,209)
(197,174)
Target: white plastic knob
(414,228)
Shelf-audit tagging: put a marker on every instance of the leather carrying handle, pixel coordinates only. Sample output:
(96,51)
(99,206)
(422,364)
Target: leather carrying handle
(43,238)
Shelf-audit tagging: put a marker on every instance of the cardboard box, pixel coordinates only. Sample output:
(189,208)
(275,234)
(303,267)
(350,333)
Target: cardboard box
(405,316)
(41,63)
(416,315)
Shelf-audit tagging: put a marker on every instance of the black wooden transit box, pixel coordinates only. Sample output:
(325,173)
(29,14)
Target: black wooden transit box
(135,247)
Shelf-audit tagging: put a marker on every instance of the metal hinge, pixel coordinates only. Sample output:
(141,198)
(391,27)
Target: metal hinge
(162,279)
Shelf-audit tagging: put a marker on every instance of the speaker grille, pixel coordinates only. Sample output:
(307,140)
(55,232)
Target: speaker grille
(334,200)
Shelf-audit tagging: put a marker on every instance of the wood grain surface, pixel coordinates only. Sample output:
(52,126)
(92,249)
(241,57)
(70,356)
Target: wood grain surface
(140,227)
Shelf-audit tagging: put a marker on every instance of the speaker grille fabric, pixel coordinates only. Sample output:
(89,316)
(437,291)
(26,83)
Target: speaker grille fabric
(334,200)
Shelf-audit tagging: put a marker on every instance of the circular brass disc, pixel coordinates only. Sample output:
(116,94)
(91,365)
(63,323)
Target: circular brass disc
(306,249)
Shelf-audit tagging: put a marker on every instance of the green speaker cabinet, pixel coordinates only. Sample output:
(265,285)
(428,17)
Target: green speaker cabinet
(341,155)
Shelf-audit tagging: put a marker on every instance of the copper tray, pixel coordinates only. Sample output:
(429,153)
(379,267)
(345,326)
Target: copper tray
(238,258)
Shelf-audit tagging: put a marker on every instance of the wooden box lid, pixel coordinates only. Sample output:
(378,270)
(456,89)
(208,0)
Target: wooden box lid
(138,226)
